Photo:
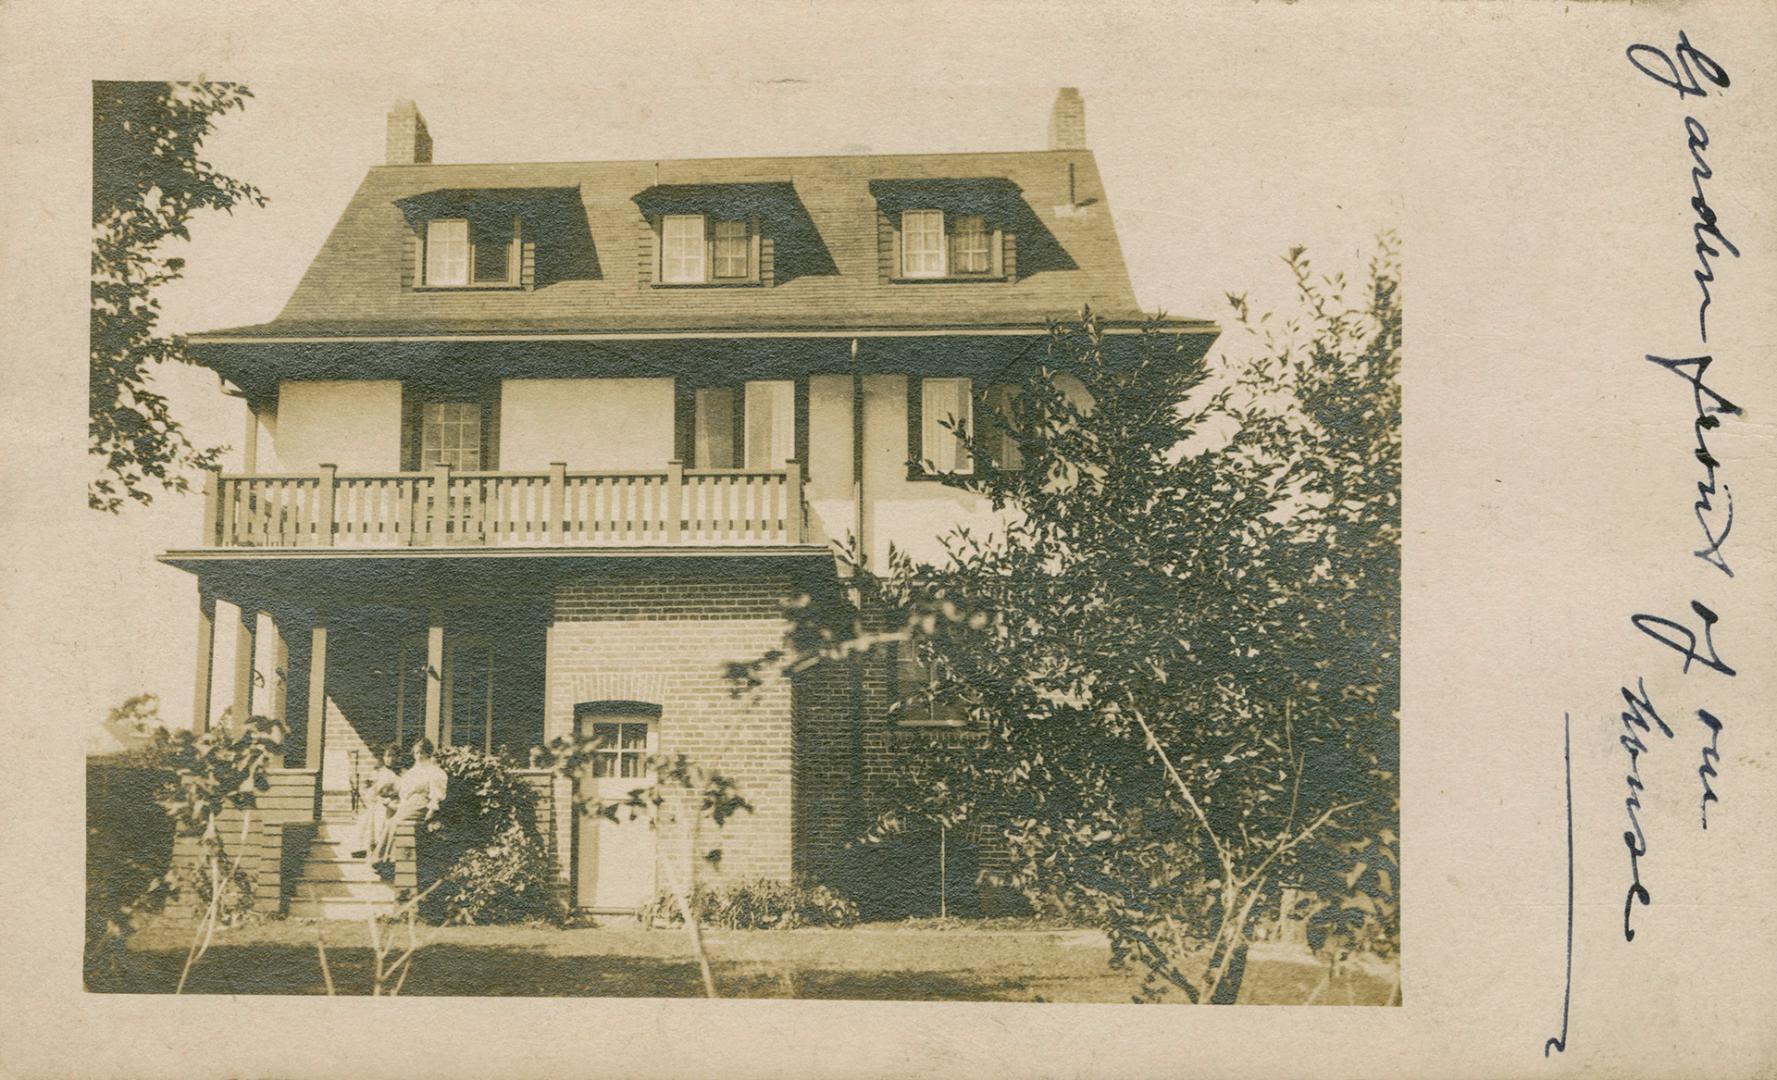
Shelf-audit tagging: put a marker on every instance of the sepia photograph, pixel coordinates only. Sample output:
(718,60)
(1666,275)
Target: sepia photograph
(841,541)
(732,557)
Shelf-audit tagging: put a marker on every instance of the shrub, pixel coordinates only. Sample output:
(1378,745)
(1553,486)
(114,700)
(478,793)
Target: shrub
(129,850)
(486,854)
(758,904)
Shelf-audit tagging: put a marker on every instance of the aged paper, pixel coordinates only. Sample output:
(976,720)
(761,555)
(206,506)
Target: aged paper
(1584,196)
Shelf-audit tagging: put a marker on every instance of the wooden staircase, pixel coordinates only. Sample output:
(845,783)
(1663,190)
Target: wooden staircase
(334,885)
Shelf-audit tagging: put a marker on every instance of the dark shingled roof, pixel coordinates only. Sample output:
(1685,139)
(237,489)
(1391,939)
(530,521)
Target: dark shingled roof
(825,213)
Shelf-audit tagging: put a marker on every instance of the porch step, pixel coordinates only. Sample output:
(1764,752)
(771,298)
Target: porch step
(314,889)
(339,909)
(337,868)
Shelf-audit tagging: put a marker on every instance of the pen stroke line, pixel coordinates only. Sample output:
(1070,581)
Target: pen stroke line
(1566,991)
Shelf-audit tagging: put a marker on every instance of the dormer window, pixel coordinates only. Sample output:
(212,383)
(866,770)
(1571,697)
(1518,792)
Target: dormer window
(447,252)
(733,251)
(461,253)
(681,249)
(949,229)
(971,245)
(922,243)
(704,249)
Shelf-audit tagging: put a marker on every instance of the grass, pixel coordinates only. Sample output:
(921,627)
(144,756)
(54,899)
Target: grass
(1006,961)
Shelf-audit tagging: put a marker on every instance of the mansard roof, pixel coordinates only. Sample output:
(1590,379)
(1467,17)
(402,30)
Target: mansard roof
(589,223)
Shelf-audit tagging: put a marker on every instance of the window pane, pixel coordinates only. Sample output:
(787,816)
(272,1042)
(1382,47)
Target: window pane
(941,400)
(771,423)
(604,765)
(604,736)
(492,250)
(447,252)
(632,764)
(1006,454)
(714,429)
(922,243)
(451,434)
(635,736)
(970,248)
(732,249)
(681,256)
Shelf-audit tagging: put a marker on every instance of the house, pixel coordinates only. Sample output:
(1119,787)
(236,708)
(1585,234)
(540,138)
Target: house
(537,448)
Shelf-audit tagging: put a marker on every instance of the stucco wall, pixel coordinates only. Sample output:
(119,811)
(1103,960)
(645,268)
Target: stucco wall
(354,424)
(911,514)
(603,424)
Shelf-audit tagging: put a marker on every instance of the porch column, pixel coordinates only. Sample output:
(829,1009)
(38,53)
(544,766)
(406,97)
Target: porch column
(317,703)
(206,659)
(250,444)
(245,631)
(271,670)
(435,677)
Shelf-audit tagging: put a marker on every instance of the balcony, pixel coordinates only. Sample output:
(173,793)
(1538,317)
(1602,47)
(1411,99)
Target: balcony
(675,507)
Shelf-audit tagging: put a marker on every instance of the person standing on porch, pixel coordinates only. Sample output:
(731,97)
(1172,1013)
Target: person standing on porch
(421,792)
(380,795)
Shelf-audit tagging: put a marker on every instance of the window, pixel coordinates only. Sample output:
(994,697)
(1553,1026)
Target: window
(733,250)
(715,445)
(751,426)
(971,250)
(1006,454)
(620,749)
(922,243)
(771,423)
(450,434)
(462,253)
(942,400)
(681,251)
(447,252)
(923,697)
(492,258)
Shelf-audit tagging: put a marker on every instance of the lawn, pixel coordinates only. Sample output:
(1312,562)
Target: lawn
(881,961)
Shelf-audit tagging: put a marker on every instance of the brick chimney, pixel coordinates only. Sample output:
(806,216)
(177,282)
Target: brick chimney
(409,141)
(1067,121)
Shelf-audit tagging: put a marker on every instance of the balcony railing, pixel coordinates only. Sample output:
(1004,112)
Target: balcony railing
(557,508)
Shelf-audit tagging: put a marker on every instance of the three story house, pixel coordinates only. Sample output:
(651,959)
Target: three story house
(537,449)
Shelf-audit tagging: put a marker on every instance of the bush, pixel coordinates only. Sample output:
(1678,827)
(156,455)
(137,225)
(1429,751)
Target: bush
(129,851)
(758,904)
(491,864)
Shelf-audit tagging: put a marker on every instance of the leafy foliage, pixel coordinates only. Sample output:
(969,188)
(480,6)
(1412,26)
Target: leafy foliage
(758,904)
(490,862)
(129,849)
(196,779)
(1180,656)
(148,181)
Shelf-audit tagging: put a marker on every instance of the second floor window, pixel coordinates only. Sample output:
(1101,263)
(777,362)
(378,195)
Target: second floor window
(922,243)
(681,249)
(450,434)
(941,401)
(751,426)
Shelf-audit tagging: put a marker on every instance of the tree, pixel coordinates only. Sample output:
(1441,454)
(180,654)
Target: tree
(1180,656)
(148,181)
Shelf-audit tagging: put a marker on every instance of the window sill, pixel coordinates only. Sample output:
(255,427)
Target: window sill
(737,284)
(916,473)
(478,286)
(955,279)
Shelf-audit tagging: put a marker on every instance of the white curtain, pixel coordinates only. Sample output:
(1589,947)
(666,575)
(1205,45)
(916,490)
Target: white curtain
(771,423)
(940,400)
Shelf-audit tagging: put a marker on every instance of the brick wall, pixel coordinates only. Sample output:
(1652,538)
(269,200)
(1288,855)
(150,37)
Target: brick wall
(665,642)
